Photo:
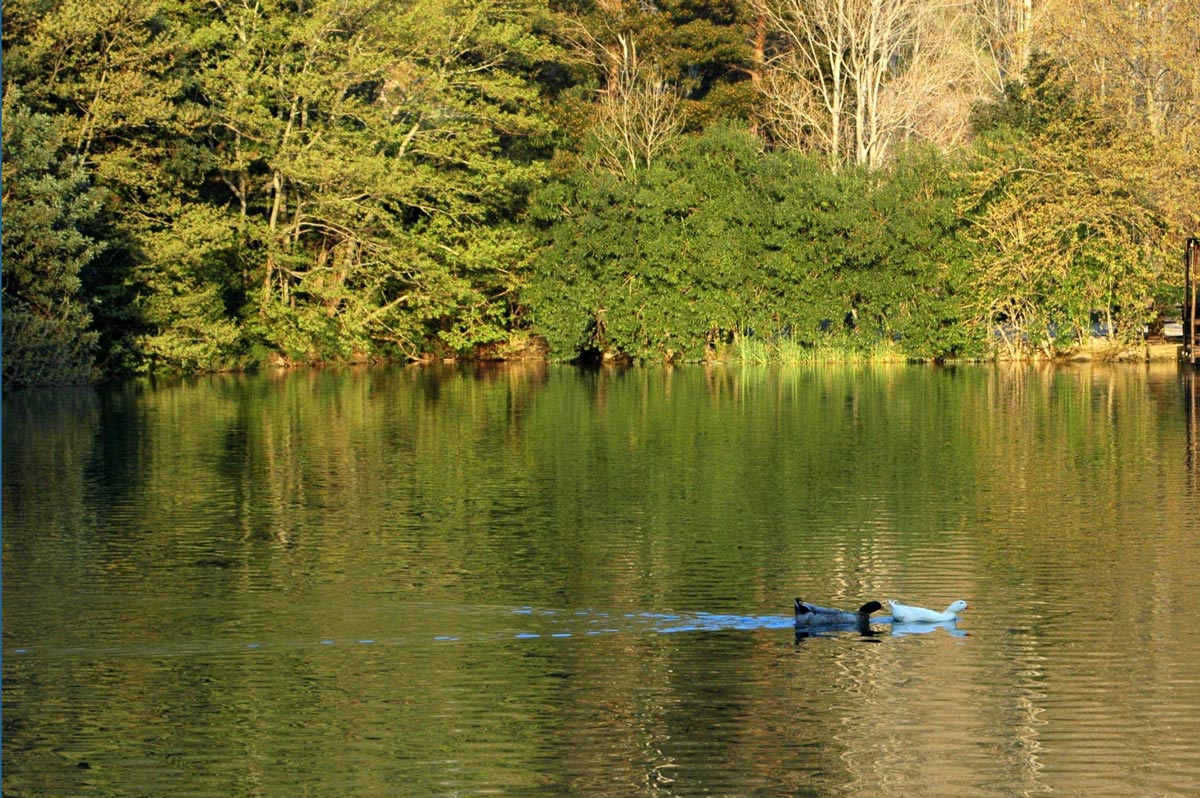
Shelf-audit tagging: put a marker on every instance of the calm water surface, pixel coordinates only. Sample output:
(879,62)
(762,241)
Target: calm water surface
(534,581)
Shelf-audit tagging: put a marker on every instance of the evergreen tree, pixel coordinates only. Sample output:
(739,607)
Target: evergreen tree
(48,204)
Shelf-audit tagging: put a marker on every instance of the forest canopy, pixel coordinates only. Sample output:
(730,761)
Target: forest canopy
(198,186)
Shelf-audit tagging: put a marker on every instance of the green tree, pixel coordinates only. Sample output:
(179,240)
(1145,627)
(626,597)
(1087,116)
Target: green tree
(375,158)
(317,181)
(117,77)
(706,51)
(1070,226)
(48,205)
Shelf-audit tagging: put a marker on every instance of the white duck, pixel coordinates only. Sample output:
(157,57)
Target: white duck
(902,613)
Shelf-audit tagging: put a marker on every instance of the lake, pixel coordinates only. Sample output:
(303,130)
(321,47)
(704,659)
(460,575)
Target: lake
(532,580)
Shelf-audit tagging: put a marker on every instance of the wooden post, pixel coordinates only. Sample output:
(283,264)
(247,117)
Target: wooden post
(1191,321)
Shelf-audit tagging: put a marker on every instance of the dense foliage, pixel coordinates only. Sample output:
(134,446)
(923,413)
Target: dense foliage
(721,241)
(193,187)
(322,181)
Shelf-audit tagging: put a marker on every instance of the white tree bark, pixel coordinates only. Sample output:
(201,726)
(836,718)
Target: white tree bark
(855,77)
(638,113)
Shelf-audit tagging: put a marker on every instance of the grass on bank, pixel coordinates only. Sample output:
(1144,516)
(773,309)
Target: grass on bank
(785,351)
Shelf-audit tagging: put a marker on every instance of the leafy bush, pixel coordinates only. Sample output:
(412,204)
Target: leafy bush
(720,241)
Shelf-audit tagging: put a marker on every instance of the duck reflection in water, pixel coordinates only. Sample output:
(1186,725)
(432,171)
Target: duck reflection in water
(862,630)
(899,629)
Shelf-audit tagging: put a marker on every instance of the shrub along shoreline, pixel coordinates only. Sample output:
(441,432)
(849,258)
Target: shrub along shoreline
(721,247)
